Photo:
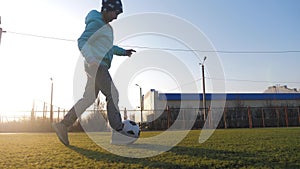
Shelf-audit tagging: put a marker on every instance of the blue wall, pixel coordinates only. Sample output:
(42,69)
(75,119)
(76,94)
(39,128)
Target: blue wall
(230,96)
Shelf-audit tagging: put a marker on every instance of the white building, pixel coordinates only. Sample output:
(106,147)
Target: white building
(280,89)
(155,103)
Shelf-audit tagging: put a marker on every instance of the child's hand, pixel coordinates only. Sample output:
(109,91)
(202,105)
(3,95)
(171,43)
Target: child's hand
(129,52)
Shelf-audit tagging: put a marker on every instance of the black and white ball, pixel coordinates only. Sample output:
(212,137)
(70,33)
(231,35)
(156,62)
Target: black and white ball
(131,128)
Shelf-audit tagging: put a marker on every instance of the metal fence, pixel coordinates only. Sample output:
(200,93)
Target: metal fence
(234,117)
(231,117)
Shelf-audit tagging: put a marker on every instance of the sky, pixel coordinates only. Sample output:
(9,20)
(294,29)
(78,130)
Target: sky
(27,63)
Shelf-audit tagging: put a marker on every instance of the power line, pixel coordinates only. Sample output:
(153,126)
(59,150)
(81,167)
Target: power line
(183,50)
(216,51)
(254,81)
(171,49)
(185,84)
(236,80)
(40,36)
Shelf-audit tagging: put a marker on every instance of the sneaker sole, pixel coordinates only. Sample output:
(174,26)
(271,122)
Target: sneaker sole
(120,139)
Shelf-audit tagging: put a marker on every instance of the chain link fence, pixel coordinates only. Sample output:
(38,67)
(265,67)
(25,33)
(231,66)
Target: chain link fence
(233,117)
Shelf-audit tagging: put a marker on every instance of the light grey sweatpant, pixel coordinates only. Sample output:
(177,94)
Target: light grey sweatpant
(99,79)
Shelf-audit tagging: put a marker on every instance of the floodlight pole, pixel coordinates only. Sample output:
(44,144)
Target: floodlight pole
(1,31)
(141,102)
(0,34)
(203,84)
(51,102)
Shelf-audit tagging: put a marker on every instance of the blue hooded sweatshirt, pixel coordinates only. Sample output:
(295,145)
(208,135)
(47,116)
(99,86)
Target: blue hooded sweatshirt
(96,42)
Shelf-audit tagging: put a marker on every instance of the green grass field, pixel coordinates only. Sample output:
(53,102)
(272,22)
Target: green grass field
(231,148)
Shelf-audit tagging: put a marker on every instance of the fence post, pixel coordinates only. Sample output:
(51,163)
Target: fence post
(169,116)
(299,115)
(263,116)
(58,112)
(278,117)
(224,118)
(209,117)
(250,118)
(45,111)
(183,118)
(286,117)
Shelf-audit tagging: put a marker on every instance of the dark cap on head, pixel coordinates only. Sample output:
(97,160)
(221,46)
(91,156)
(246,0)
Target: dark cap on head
(112,5)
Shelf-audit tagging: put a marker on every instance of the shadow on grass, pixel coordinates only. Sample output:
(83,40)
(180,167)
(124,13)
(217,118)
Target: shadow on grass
(112,158)
(203,158)
(235,159)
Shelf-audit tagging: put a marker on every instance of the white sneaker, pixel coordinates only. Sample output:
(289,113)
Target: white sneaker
(122,138)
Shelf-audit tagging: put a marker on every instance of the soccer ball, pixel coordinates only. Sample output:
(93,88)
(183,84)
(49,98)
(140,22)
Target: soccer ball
(131,128)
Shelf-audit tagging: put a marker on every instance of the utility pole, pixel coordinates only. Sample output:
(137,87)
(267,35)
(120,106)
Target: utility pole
(32,112)
(141,102)
(125,114)
(0,34)
(1,31)
(203,84)
(51,102)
